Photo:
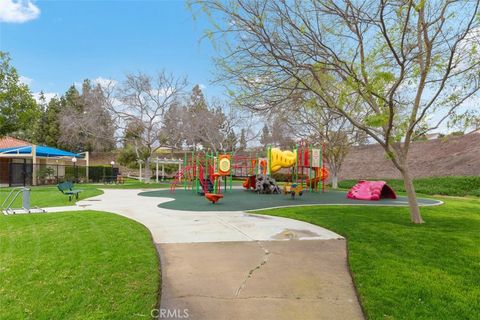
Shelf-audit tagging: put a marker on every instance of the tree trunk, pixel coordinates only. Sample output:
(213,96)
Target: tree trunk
(334,180)
(415,215)
(147,173)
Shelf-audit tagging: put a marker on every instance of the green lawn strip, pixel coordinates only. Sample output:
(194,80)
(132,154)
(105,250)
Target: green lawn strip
(405,271)
(452,186)
(76,265)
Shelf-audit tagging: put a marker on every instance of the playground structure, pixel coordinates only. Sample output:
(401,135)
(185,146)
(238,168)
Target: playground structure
(371,190)
(204,172)
(305,164)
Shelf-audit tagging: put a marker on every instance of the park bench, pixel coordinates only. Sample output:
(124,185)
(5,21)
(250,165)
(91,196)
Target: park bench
(67,189)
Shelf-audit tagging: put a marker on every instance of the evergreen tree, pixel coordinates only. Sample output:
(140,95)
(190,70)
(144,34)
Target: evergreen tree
(198,110)
(40,125)
(48,129)
(265,138)
(231,141)
(243,140)
(18,109)
(72,100)
(42,102)
(197,100)
(52,132)
(281,136)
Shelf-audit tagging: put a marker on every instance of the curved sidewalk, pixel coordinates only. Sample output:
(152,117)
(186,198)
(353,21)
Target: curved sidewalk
(234,265)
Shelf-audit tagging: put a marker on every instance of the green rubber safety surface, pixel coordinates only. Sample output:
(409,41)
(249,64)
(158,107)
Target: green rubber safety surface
(243,200)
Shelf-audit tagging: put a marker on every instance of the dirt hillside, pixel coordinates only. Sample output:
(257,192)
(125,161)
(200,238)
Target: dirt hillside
(455,156)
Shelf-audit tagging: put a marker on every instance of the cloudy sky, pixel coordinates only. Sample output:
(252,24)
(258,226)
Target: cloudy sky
(55,43)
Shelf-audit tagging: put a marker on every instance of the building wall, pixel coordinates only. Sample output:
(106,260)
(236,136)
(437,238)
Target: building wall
(4,171)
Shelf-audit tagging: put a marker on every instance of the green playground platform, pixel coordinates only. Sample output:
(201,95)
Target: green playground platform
(243,200)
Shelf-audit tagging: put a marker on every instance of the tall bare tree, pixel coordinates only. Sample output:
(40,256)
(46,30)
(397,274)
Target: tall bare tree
(323,127)
(281,134)
(213,128)
(85,123)
(139,107)
(413,64)
(174,127)
(331,131)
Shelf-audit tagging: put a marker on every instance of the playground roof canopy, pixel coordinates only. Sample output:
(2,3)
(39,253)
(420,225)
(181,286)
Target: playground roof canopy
(40,151)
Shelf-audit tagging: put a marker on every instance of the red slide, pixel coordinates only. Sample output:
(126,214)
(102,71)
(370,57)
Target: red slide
(371,190)
(202,181)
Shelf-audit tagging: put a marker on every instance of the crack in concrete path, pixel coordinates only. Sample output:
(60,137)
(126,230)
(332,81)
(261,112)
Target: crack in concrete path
(258,266)
(251,271)
(263,297)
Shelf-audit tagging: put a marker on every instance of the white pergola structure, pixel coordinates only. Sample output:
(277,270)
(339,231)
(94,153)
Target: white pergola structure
(158,161)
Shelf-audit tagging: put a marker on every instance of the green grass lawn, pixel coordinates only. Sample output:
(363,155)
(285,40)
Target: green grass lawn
(76,265)
(405,271)
(452,186)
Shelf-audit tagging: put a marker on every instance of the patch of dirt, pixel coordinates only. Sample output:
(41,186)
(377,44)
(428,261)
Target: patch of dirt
(294,234)
(455,156)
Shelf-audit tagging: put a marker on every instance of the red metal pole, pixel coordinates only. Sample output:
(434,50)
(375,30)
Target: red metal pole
(323,166)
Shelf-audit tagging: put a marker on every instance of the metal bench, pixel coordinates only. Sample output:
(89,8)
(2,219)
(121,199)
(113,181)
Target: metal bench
(67,189)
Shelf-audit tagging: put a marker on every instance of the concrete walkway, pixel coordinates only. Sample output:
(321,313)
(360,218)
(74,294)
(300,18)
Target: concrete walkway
(176,226)
(234,265)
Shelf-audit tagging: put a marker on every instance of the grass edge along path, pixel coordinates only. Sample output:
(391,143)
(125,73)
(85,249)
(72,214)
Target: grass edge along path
(76,265)
(405,271)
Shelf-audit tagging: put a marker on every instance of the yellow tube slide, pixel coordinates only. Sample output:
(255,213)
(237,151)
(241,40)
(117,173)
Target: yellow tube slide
(281,159)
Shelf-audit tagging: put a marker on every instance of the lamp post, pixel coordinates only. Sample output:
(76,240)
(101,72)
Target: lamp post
(74,161)
(112,163)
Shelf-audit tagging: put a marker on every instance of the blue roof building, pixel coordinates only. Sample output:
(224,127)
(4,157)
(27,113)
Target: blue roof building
(24,163)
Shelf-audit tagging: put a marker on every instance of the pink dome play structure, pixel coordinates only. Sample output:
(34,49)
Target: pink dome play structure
(371,190)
